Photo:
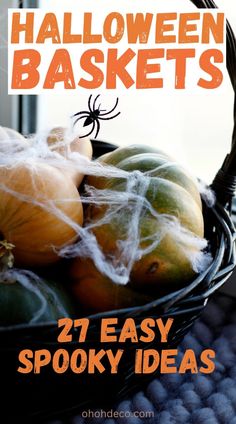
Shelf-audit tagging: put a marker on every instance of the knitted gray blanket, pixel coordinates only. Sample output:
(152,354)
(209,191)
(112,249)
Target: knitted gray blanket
(187,399)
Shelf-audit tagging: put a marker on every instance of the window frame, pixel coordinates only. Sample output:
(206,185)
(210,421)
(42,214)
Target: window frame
(28,103)
(16,111)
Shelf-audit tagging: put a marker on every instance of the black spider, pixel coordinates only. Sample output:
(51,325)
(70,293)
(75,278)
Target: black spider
(94,115)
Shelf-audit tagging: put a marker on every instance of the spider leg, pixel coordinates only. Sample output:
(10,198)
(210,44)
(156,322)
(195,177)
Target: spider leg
(90,132)
(107,113)
(108,118)
(89,103)
(80,113)
(94,103)
(81,117)
(98,128)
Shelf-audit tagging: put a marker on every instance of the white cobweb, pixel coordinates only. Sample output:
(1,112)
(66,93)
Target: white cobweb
(131,202)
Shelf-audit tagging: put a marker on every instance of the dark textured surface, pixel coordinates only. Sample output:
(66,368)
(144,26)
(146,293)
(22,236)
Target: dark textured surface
(191,399)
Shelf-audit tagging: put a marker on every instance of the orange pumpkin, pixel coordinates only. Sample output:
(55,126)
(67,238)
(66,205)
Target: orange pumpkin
(83,146)
(32,198)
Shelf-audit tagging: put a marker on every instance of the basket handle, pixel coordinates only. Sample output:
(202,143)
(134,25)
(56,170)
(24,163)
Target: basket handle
(224,183)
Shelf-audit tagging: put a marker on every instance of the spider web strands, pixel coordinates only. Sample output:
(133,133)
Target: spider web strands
(35,285)
(130,203)
(207,194)
(119,199)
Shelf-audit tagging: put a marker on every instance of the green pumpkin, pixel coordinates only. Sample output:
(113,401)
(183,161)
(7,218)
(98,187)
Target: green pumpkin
(172,192)
(118,155)
(31,302)
(155,165)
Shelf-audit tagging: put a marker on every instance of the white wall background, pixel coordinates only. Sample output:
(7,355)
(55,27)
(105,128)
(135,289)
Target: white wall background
(195,127)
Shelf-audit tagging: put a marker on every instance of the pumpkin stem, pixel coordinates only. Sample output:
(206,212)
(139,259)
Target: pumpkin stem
(6,255)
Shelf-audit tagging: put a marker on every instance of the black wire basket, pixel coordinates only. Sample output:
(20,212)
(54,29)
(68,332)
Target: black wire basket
(34,397)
